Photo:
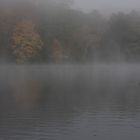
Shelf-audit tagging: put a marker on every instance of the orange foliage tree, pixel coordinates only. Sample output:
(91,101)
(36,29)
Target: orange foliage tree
(26,42)
(56,51)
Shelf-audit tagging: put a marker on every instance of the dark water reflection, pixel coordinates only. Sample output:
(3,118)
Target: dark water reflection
(100,102)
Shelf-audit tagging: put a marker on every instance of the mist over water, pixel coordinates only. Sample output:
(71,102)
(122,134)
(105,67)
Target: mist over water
(59,102)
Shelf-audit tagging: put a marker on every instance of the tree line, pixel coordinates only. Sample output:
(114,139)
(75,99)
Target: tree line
(49,31)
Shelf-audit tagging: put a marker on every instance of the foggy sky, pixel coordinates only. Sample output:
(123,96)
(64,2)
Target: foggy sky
(108,6)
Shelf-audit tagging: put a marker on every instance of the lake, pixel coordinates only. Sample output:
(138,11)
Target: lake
(70,102)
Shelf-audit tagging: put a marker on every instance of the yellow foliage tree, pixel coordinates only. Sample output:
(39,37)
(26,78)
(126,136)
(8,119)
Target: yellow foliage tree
(26,42)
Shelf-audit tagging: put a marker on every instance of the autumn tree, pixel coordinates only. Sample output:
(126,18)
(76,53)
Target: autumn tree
(56,51)
(26,42)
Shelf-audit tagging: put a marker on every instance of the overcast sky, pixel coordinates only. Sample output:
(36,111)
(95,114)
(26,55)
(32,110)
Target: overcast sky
(108,6)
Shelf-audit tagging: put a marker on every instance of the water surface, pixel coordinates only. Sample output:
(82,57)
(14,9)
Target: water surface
(71,102)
